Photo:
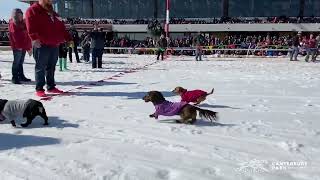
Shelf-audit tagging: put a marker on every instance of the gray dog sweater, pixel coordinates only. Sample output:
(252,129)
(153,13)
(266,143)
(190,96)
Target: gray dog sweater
(14,109)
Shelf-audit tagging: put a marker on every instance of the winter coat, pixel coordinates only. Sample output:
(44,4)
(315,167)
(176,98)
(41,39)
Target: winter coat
(162,43)
(98,39)
(50,30)
(18,35)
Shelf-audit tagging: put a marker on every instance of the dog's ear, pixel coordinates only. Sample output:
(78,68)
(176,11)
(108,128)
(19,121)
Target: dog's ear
(156,97)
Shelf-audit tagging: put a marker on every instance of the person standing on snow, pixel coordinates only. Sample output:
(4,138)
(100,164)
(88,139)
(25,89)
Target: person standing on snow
(318,47)
(295,47)
(85,44)
(311,48)
(20,44)
(47,31)
(198,43)
(98,38)
(75,36)
(162,45)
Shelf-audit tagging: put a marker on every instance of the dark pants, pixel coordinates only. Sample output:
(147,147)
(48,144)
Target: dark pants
(86,54)
(97,58)
(63,52)
(17,65)
(75,49)
(198,54)
(160,52)
(46,59)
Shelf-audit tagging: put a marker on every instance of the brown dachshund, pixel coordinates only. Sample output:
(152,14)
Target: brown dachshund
(187,112)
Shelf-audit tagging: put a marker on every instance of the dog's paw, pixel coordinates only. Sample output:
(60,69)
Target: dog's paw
(179,122)
(24,125)
(46,124)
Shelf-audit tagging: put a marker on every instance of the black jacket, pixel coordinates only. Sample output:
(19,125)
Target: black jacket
(75,36)
(98,39)
(162,43)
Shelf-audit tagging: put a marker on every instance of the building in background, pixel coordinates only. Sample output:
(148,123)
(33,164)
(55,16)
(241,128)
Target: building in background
(138,9)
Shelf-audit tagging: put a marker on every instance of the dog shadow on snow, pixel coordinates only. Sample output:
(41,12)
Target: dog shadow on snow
(16,141)
(199,123)
(216,106)
(54,122)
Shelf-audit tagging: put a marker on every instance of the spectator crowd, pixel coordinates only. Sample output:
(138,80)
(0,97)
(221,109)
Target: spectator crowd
(222,20)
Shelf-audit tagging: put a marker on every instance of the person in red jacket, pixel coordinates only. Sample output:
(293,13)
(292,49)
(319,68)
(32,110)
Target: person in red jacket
(194,96)
(311,46)
(20,43)
(46,30)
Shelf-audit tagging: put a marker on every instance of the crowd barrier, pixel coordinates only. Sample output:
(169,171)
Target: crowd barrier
(252,52)
(241,52)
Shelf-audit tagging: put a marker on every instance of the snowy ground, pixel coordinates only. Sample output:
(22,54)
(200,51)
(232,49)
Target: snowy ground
(269,112)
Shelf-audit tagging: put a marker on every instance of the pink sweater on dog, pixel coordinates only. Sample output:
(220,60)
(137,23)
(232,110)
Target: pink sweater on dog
(168,108)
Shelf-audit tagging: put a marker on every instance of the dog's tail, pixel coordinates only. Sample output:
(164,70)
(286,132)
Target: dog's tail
(207,114)
(211,92)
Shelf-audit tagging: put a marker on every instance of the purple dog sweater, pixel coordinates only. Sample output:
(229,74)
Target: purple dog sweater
(168,108)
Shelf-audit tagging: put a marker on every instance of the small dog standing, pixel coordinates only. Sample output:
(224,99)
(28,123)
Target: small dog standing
(11,110)
(195,96)
(187,112)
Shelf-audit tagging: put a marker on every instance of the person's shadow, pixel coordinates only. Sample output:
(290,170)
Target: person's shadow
(128,95)
(93,83)
(11,141)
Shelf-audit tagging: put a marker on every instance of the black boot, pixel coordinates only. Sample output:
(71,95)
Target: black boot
(24,79)
(16,81)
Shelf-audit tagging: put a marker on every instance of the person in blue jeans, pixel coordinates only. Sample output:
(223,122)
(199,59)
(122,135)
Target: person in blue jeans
(20,44)
(86,48)
(47,31)
(98,38)
(17,67)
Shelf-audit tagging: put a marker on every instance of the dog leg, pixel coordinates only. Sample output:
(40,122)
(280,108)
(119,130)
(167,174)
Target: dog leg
(194,118)
(13,123)
(200,100)
(26,124)
(44,117)
(152,116)
(193,121)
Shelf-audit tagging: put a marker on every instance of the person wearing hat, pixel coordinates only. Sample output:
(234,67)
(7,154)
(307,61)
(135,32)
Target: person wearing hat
(47,31)
(20,44)
(295,47)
